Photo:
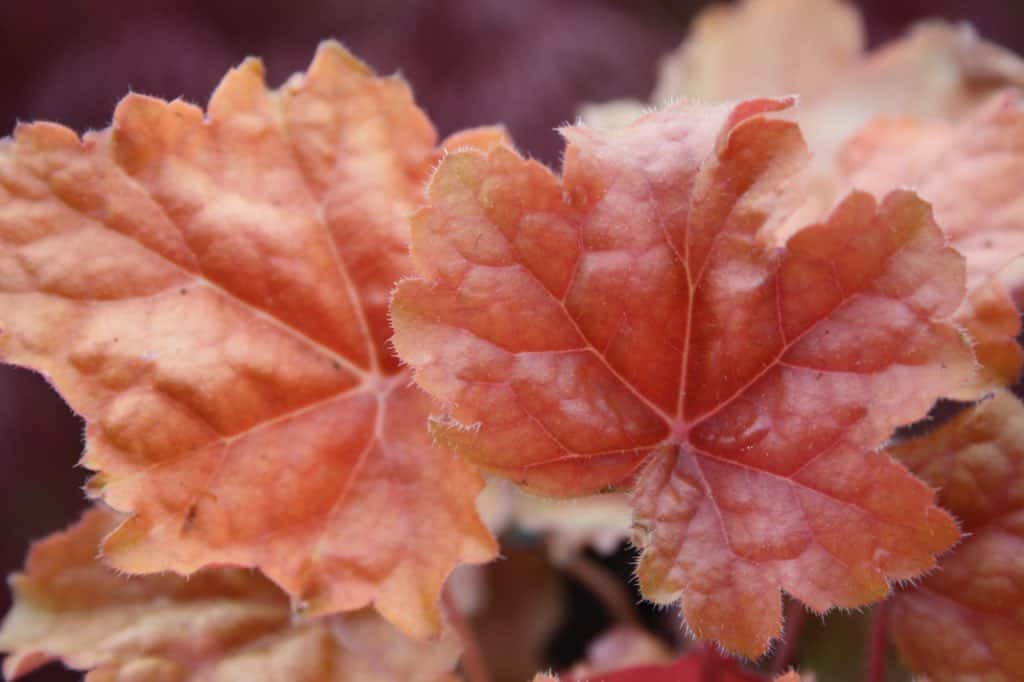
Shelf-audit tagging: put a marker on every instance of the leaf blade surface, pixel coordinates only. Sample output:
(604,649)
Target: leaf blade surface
(643,320)
(210,293)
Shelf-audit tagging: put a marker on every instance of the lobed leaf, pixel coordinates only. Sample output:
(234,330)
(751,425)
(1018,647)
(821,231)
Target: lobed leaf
(631,315)
(966,621)
(971,171)
(210,293)
(220,624)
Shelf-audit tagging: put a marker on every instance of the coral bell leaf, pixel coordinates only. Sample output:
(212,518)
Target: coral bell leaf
(630,314)
(210,293)
(816,49)
(801,46)
(966,621)
(222,624)
(972,172)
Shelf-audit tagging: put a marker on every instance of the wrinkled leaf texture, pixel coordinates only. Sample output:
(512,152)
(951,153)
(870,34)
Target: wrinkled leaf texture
(966,621)
(951,134)
(630,316)
(219,625)
(972,172)
(210,293)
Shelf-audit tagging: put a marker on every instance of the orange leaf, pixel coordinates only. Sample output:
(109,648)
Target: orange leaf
(990,318)
(210,294)
(220,624)
(631,313)
(966,621)
(972,172)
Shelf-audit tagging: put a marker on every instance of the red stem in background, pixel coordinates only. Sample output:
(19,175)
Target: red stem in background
(796,617)
(877,644)
(474,664)
(612,594)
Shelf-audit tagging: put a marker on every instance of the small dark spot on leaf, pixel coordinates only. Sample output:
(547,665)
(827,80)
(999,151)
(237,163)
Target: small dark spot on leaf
(184,291)
(190,518)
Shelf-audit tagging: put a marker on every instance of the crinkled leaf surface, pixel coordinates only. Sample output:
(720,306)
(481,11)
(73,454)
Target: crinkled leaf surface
(971,172)
(210,294)
(630,313)
(966,621)
(221,624)
(991,319)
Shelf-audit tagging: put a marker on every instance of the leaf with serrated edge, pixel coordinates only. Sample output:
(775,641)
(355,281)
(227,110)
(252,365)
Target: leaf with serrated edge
(966,621)
(972,172)
(210,293)
(222,624)
(629,313)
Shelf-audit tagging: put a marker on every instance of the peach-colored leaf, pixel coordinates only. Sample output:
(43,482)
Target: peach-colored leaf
(971,172)
(210,293)
(630,313)
(966,621)
(937,71)
(814,48)
(991,319)
(622,646)
(788,46)
(221,624)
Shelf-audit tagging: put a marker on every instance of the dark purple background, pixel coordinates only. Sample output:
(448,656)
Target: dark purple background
(527,63)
